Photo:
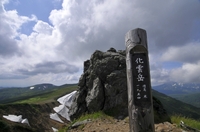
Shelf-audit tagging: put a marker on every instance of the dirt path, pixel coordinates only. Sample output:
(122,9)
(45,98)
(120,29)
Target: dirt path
(108,125)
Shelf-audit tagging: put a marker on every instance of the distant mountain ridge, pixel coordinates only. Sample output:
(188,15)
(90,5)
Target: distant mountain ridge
(49,85)
(15,93)
(176,107)
(192,99)
(177,88)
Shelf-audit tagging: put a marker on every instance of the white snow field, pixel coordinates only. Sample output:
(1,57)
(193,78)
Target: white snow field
(55,116)
(63,109)
(16,118)
(67,99)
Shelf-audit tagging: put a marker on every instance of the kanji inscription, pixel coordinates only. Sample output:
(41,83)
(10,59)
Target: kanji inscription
(140,78)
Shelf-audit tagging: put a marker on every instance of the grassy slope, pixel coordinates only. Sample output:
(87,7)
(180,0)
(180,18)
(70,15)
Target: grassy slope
(48,97)
(9,95)
(172,105)
(193,99)
(31,108)
(176,107)
(188,121)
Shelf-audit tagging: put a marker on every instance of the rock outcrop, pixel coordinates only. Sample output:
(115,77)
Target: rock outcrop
(103,85)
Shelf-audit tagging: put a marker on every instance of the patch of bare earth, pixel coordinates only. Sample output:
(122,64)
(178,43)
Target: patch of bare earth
(107,125)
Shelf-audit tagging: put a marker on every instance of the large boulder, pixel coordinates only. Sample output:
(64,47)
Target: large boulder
(103,86)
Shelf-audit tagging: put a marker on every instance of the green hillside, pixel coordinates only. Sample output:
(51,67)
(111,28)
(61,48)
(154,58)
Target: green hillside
(192,99)
(36,108)
(42,104)
(12,95)
(176,107)
(173,106)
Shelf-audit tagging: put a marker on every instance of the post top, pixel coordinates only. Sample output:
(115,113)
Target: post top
(136,37)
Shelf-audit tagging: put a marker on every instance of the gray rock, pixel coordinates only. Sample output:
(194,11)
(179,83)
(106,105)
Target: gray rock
(95,96)
(103,86)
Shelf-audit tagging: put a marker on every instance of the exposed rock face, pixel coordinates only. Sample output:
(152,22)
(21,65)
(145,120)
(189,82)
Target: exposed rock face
(103,85)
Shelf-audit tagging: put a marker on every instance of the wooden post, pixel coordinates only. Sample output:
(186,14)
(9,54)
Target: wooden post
(140,104)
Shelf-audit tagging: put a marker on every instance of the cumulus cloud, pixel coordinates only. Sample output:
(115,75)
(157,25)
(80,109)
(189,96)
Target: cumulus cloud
(187,73)
(10,23)
(43,28)
(79,28)
(186,54)
(103,24)
(49,67)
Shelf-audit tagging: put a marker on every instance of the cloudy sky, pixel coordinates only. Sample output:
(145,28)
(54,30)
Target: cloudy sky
(46,41)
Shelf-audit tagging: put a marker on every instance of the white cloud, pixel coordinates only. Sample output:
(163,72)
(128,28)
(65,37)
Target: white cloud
(81,27)
(10,23)
(187,73)
(43,28)
(187,53)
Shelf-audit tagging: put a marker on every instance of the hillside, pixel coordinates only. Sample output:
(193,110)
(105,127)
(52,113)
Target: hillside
(172,88)
(36,109)
(176,107)
(38,116)
(101,87)
(192,99)
(39,113)
(9,95)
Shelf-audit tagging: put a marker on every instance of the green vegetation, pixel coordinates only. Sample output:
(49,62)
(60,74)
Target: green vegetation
(4,127)
(173,107)
(48,97)
(9,95)
(188,121)
(193,99)
(95,115)
(92,116)
(176,107)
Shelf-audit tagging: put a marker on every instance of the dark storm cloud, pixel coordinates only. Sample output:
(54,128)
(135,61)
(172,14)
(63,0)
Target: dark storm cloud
(8,45)
(81,27)
(9,76)
(49,67)
(91,26)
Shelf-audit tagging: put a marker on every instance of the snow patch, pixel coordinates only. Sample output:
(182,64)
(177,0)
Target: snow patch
(54,129)
(67,99)
(32,88)
(63,109)
(55,117)
(25,121)
(16,118)
(174,85)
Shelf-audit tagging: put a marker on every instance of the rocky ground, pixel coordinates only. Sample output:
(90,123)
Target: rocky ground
(103,86)
(115,125)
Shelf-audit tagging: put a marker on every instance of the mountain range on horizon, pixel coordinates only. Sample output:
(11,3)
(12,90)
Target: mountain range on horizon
(172,105)
(185,92)
(170,88)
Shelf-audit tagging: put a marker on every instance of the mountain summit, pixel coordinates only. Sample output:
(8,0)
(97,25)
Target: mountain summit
(103,86)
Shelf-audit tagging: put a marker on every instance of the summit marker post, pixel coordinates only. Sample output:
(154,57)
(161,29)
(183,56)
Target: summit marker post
(140,104)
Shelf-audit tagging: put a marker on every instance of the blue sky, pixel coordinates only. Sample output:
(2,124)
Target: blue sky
(47,41)
(39,8)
